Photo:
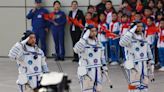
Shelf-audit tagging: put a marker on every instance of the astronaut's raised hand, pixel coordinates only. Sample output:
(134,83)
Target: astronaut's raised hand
(25,41)
(16,51)
(126,39)
(133,29)
(86,34)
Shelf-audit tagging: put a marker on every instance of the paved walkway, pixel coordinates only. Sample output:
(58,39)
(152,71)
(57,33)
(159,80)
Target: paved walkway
(8,76)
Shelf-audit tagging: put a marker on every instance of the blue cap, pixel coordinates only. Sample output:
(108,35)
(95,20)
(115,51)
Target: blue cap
(38,1)
(27,34)
(90,26)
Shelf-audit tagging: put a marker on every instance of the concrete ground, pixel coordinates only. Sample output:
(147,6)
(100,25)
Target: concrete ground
(8,76)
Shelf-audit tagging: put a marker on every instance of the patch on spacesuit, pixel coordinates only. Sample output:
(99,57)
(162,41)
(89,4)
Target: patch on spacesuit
(137,49)
(142,44)
(30,77)
(95,49)
(90,55)
(30,62)
(142,54)
(95,61)
(35,68)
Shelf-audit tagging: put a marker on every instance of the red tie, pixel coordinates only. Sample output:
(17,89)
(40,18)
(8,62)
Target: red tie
(124,25)
(112,25)
(161,35)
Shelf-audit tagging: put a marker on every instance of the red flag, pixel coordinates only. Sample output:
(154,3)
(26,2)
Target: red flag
(144,20)
(132,18)
(161,38)
(75,22)
(68,19)
(111,35)
(125,25)
(78,23)
(152,30)
(161,35)
(108,33)
(91,22)
(49,16)
(139,6)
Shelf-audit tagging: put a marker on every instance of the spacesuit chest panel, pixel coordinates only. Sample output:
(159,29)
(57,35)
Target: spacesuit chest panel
(93,54)
(139,50)
(32,61)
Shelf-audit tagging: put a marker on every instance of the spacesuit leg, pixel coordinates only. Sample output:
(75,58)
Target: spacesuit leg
(86,84)
(34,81)
(25,88)
(138,78)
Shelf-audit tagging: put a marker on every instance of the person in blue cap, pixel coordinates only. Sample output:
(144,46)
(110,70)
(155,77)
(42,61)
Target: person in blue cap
(57,27)
(39,24)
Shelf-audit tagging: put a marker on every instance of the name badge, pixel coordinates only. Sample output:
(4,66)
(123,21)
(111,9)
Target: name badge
(58,16)
(39,16)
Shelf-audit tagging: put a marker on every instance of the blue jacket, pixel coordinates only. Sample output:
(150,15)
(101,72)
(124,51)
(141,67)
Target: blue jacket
(60,20)
(38,20)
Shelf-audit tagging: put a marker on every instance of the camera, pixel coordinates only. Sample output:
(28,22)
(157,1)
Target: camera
(54,82)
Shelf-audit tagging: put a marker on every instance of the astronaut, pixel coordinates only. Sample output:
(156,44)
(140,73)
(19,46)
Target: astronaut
(30,62)
(92,68)
(139,65)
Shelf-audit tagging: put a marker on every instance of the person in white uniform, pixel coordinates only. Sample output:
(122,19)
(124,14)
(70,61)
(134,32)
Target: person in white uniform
(92,68)
(30,62)
(139,63)
(160,45)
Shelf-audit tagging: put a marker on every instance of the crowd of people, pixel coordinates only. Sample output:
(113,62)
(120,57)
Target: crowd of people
(149,12)
(132,35)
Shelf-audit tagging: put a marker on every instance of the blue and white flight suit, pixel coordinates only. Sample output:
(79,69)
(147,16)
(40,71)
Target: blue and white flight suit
(58,33)
(30,63)
(160,46)
(123,30)
(152,41)
(92,61)
(139,58)
(102,38)
(114,47)
(39,24)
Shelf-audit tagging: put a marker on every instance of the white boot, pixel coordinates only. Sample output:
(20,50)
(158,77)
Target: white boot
(161,69)
(114,63)
(133,90)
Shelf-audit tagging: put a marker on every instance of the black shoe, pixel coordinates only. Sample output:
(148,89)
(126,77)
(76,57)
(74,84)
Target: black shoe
(75,60)
(57,59)
(62,59)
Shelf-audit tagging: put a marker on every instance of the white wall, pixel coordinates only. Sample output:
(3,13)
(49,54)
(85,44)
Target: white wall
(13,22)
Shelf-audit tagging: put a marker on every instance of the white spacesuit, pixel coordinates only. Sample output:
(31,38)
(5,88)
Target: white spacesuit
(30,63)
(92,65)
(139,60)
